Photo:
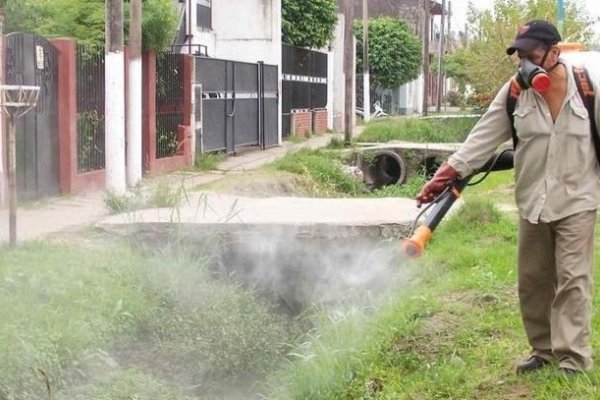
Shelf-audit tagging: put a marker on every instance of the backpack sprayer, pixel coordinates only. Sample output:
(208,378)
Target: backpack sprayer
(413,246)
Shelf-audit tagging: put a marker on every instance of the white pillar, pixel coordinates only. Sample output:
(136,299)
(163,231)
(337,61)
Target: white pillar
(3,177)
(114,77)
(366,97)
(115,122)
(277,43)
(134,114)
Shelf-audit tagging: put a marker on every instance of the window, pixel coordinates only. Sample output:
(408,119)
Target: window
(204,14)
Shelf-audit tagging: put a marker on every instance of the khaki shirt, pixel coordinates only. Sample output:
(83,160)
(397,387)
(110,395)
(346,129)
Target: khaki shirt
(556,169)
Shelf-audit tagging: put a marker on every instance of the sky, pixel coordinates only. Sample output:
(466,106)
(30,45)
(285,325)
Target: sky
(459,11)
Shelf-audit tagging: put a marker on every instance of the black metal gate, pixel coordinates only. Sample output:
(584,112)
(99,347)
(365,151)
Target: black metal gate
(32,60)
(304,82)
(240,104)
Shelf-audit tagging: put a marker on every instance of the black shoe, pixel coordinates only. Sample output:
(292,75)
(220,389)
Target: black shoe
(569,371)
(532,364)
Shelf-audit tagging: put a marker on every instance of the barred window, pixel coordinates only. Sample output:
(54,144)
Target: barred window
(204,14)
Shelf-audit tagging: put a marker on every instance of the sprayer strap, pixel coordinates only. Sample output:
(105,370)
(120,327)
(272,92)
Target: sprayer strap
(511,104)
(586,91)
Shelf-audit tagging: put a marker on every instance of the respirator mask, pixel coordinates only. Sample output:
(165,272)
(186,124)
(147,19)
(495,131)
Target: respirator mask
(531,75)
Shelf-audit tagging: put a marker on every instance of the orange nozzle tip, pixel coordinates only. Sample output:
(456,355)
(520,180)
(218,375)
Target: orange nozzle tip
(415,245)
(412,249)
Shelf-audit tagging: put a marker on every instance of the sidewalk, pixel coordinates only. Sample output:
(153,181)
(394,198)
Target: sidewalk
(36,220)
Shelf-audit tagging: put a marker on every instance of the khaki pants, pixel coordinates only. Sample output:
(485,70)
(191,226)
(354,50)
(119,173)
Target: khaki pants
(555,287)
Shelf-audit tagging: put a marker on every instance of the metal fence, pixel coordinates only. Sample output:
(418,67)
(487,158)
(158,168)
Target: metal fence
(90,110)
(304,82)
(169,103)
(240,105)
(33,60)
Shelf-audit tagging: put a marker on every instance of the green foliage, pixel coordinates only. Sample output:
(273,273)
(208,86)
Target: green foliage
(337,143)
(408,189)
(128,384)
(451,332)
(438,130)
(209,161)
(394,52)
(92,318)
(90,128)
(308,23)
(54,320)
(484,64)
(322,169)
(84,21)
(455,99)
(455,67)
(159,24)
(22,15)
(118,203)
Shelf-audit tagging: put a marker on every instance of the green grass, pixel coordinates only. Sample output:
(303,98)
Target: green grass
(409,189)
(208,161)
(296,139)
(323,171)
(445,130)
(324,176)
(454,333)
(106,321)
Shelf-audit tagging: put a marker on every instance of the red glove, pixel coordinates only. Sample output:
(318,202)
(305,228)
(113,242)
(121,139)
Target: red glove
(436,185)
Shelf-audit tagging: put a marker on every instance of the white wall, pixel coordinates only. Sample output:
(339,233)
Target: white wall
(243,30)
(410,97)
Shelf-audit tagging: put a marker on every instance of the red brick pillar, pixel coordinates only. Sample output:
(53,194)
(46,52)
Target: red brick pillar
(67,112)
(301,122)
(319,120)
(149,109)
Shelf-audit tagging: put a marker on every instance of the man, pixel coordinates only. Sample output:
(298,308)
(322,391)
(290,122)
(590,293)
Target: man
(556,191)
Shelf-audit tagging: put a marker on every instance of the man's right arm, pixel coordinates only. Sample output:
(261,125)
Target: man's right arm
(490,131)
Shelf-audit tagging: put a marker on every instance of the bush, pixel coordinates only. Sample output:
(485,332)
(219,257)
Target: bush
(324,169)
(420,130)
(480,101)
(455,99)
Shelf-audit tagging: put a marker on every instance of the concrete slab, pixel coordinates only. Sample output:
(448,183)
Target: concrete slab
(211,208)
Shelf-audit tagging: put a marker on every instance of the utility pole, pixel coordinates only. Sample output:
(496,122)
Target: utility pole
(115,98)
(560,17)
(366,77)
(348,68)
(450,35)
(134,115)
(440,83)
(3,188)
(426,35)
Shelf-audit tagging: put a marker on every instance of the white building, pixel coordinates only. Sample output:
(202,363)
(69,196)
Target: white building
(240,30)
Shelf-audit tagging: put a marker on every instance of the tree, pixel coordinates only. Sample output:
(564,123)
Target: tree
(486,66)
(394,52)
(84,20)
(308,23)
(455,67)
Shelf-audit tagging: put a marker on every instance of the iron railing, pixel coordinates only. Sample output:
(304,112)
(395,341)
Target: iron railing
(304,82)
(169,103)
(90,110)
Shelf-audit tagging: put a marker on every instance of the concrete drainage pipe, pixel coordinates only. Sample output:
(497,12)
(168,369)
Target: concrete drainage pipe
(383,168)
